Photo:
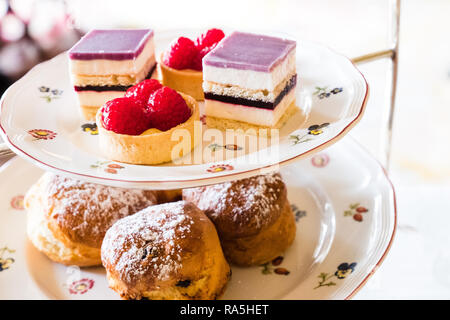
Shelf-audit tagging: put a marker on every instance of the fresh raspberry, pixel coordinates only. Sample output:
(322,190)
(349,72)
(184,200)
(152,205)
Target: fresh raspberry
(180,54)
(125,116)
(209,38)
(197,62)
(167,109)
(143,90)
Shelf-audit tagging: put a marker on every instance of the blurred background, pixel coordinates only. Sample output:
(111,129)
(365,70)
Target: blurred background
(419,262)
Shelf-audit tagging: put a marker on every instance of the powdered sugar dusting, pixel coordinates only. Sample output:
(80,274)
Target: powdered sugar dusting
(258,195)
(88,209)
(147,243)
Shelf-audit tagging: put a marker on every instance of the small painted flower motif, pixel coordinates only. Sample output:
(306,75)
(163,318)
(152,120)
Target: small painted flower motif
(316,129)
(298,214)
(17,202)
(91,128)
(336,90)
(323,92)
(268,268)
(324,95)
(5,263)
(115,166)
(297,139)
(220,168)
(56,92)
(107,166)
(356,211)
(313,130)
(43,89)
(51,93)
(281,271)
(343,270)
(320,160)
(277,261)
(81,286)
(233,147)
(214,147)
(42,134)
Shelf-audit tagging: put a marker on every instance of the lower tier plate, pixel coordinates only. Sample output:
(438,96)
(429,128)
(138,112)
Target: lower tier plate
(344,206)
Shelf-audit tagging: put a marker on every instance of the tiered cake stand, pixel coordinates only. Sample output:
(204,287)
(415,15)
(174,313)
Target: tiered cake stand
(343,201)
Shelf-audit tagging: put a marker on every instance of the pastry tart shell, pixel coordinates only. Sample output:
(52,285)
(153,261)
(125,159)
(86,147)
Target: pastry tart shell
(152,146)
(187,81)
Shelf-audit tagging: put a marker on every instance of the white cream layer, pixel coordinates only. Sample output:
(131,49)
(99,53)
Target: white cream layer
(95,98)
(255,80)
(116,67)
(113,79)
(258,116)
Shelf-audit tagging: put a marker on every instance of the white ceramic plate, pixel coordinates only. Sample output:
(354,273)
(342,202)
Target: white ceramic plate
(41,122)
(332,256)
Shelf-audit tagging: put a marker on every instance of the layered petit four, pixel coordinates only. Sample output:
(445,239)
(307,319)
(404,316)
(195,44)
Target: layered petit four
(105,63)
(138,127)
(181,63)
(249,81)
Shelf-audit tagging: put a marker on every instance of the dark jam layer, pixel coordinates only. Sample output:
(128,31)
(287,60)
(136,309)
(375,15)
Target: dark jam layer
(111,88)
(255,103)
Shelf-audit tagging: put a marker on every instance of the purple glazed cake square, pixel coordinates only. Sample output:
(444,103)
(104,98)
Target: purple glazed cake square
(105,63)
(111,44)
(250,80)
(247,51)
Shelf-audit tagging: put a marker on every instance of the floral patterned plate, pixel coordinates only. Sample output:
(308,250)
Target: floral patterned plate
(40,121)
(346,217)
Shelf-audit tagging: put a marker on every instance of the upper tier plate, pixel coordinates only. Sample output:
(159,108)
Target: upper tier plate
(41,122)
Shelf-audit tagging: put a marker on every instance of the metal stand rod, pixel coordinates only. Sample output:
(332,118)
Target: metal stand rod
(388,53)
(393,55)
(395,28)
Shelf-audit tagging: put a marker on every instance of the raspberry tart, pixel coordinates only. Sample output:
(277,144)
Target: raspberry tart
(145,126)
(181,65)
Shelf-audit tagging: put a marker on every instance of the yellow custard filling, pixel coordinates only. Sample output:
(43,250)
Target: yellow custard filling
(150,131)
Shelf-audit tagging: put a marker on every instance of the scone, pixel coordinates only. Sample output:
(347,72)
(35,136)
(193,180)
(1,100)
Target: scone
(67,219)
(165,252)
(164,196)
(181,64)
(252,216)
